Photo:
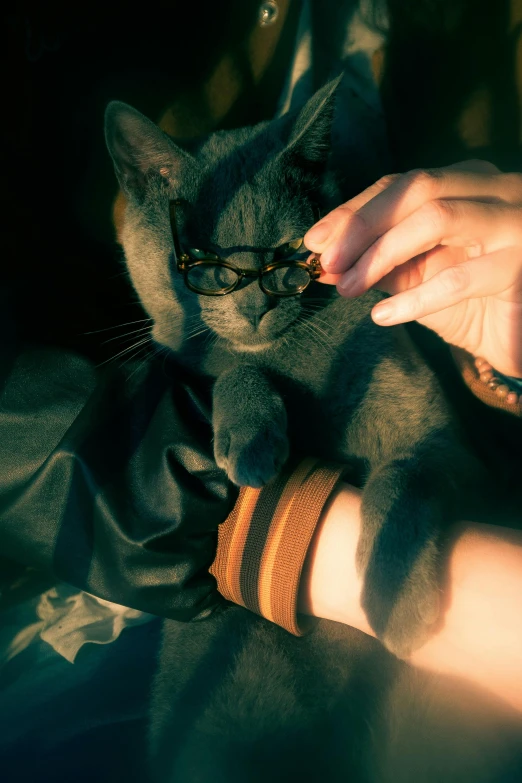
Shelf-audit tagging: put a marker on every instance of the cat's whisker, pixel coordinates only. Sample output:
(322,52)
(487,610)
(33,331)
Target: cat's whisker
(128,335)
(196,334)
(189,332)
(315,314)
(315,310)
(293,340)
(301,344)
(159,350)
(313,324)
(315,335)
(192,321)
(144,352)
(196,326)
(312,308)
(119,326)
(125,272)
(125,350)
(210,340)
(175,326)
(318,338)
(317,320)
(165,351)
(215,340)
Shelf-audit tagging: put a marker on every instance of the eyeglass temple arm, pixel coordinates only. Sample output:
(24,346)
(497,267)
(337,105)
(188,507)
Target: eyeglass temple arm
(316,269)
(180,257)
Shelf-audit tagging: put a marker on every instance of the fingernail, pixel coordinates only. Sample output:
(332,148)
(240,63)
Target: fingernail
(346,282)
(382,312)
(318,234)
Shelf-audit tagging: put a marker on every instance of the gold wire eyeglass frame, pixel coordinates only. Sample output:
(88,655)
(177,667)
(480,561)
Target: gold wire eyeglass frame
(185,263)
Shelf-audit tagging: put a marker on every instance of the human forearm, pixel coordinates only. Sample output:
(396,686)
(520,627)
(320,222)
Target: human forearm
(481,633)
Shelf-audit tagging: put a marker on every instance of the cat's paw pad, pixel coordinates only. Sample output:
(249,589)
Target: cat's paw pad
(251,460)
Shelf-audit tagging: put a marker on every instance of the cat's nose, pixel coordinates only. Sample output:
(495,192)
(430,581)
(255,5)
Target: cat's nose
(268,304)
(264,308)
(254,311)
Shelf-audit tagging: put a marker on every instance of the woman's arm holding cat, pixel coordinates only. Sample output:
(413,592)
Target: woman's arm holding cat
(480,638)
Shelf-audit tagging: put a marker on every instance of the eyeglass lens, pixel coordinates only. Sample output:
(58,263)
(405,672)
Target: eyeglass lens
(215,278)
(211,277)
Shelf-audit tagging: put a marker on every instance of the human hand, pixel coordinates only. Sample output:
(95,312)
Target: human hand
(447,244)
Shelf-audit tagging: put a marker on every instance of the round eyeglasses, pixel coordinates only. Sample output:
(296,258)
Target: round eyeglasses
(209,275)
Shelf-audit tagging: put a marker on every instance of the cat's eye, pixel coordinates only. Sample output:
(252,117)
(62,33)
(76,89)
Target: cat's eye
(206,273)
(202,255)
(285,280)
(211,278)
(290,249)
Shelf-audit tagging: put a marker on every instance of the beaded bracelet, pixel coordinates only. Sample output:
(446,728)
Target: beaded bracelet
(502,386)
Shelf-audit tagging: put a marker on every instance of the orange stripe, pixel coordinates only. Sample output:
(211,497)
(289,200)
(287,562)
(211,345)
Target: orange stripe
(225,533)
(231,543)
(295,542)
(277,528)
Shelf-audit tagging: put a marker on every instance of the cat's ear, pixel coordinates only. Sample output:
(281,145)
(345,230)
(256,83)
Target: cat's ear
(140,150)
(309,142)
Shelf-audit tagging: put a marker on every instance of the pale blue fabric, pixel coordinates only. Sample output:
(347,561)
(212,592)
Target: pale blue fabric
(78,723)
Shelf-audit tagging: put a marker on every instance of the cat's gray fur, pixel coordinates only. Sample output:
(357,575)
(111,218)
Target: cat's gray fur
(238,700)
(314,371)
(310,374)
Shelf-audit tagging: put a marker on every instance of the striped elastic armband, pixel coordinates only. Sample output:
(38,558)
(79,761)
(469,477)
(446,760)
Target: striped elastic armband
(262,545)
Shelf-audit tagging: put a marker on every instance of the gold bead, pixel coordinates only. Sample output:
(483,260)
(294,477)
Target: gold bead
(503,390)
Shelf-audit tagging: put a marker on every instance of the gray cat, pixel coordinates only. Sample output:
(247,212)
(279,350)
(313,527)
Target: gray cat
(306,374)
(310,372)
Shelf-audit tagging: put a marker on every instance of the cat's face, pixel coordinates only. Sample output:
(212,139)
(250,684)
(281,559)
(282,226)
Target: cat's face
(247,197)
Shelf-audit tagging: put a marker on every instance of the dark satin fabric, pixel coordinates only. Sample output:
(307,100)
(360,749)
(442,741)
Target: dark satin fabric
(108,479)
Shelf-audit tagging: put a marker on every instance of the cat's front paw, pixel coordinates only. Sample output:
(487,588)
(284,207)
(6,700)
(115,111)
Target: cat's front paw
(251,459)
(414,616)
(406,617)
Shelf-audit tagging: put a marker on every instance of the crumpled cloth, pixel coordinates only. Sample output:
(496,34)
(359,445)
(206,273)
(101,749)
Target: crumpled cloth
(68,619)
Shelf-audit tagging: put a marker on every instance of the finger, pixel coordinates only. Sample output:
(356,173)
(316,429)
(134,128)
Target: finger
(486,276)
(419,269)
(475,165)
(333,224)
(329,279)
(347,232)
(325,277)
(381,185)
(479,227)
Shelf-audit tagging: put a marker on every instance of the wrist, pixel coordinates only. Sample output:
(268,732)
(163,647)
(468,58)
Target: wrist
(330,585)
